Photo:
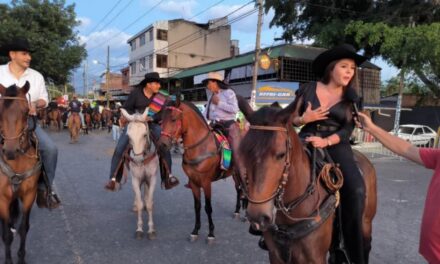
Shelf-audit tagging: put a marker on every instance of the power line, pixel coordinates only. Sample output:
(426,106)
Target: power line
(105,16)
(116,16)
(206,9)
(117,34)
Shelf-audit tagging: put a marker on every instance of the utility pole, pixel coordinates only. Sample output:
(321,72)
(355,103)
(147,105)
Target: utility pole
(257,54)
(107,77)
(85,77)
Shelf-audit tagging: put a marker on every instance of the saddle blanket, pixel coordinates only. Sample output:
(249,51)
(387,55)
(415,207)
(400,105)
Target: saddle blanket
(226,151)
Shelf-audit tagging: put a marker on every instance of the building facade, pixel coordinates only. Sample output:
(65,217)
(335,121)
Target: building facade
(173,45)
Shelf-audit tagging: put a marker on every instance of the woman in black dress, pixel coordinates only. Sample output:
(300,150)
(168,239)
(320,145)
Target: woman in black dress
(325,113)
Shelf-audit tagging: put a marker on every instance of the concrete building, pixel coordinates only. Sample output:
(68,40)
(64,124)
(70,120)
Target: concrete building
(170,46)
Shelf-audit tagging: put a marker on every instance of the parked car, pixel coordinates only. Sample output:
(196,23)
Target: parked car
(417,134)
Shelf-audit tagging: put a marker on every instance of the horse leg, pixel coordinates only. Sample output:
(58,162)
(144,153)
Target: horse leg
(208,210)
(23,230)
(238,198)
(148,197)
(7,239)
(197,207)
(138,201)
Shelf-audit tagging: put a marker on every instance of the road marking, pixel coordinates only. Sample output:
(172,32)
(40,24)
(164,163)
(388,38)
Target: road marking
(399,200)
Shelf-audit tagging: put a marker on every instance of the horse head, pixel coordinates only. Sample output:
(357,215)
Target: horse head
(172,116)
(266,153)
(14,110)
(137,131)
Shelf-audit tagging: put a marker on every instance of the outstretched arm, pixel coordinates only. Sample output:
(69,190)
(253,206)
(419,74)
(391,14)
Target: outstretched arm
(395,144)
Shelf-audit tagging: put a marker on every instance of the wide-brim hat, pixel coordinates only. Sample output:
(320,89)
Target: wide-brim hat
(215,76)
(150,77)
(344,51)
(16,44)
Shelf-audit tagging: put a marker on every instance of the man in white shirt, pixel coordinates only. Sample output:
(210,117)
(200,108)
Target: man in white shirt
(17,72)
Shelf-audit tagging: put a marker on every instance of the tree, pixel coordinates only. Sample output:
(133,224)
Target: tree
(49,27)
(393,29)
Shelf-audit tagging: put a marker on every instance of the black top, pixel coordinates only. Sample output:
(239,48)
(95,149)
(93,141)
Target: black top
(339,121)
(137,101)
(52,105)
(75,106)
(115,117)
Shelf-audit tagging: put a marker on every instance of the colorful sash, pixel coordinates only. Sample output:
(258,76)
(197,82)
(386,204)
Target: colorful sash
(226,151)
(158,101)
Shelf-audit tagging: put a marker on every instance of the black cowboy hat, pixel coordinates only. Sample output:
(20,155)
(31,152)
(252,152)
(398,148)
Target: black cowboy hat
(344,51)
(150,77)
(16,44)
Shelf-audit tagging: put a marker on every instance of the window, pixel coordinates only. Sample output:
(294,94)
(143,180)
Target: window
(161,61)
(418,131)
(133,68)
(133,45)
(142,64)
(142,40)
(162,34)
(150,61)
(151,34)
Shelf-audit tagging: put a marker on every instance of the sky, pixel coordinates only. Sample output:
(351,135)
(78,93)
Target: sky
(111,22)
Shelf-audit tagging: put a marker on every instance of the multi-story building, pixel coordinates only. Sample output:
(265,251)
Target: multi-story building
(169,46)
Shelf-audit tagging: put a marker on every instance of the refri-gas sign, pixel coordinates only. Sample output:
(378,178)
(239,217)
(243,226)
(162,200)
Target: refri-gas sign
(282,92)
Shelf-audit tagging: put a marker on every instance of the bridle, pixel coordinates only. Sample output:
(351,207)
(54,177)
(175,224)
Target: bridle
(174,135)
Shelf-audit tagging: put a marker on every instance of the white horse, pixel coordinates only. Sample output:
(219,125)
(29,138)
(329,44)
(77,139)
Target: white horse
(143,164)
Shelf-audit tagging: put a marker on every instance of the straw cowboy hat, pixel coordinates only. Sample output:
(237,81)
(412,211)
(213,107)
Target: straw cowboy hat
(215,76)
(16,44)
(344,51)
(150,77)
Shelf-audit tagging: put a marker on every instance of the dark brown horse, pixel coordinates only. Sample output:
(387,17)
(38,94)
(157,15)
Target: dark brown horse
(20,166)
(42,117)
(55,119)
(74,125)
(201,158)
(107,121)
(293,207)
(96,120)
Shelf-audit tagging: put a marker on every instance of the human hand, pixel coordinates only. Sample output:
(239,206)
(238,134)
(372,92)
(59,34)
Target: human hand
(364,121)
(33,109)
(215,100)
(310,115)
(317,142)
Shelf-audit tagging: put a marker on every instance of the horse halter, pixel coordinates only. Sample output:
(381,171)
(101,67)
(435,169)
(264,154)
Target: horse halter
(279,191)
(173,135)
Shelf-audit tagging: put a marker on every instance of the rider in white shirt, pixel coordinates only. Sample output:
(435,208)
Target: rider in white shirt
(17,72)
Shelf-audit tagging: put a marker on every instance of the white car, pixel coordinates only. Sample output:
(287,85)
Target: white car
(418,135)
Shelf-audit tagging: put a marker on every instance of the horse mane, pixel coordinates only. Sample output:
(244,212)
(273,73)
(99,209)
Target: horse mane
(255,145)
(192,106)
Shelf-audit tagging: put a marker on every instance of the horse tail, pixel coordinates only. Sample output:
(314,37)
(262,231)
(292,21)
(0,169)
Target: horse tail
(14,210)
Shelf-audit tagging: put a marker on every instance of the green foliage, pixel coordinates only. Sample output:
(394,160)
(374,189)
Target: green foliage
(49,27)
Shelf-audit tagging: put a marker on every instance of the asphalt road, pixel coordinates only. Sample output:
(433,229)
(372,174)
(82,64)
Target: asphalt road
(97,226)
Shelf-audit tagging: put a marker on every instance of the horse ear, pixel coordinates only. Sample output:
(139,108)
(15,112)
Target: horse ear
(2,90)
(244,107)
(145,114)
(286,114)
(126,114)
(26,87)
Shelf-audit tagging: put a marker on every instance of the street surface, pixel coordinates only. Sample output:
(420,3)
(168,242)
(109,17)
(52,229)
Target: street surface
(97,226)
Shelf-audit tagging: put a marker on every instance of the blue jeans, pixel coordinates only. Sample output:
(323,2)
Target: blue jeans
(116,132)
(123,142)
(49,155)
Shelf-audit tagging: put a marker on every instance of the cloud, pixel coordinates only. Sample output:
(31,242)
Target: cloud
(181,9)
(84,22)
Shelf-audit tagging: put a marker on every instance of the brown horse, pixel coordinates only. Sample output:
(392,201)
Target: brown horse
(88,122)
(107,116)
(74,125)
(42,117)
(96,120)
(201,158)
(55,119)
(20,166)
(291,205)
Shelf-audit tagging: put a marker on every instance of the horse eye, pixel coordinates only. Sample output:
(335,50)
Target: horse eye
(280,156)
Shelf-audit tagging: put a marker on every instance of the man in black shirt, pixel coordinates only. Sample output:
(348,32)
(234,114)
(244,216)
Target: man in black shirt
(139,99)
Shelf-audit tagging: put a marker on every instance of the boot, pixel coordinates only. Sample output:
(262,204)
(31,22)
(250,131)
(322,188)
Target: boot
(43,200)
(262,244)
(170,182)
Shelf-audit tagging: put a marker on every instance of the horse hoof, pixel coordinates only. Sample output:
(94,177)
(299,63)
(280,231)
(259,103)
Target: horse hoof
(193,238)
(139,235)
(210,240)
(152,235)
(236,216)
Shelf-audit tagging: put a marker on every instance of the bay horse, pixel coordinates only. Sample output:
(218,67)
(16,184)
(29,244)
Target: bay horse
(74,125)
(107,121)
(142,164)
(20,166)
(201,157)
(55,119)
(288,202)
(88,122)
(96,120)
(42,117)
